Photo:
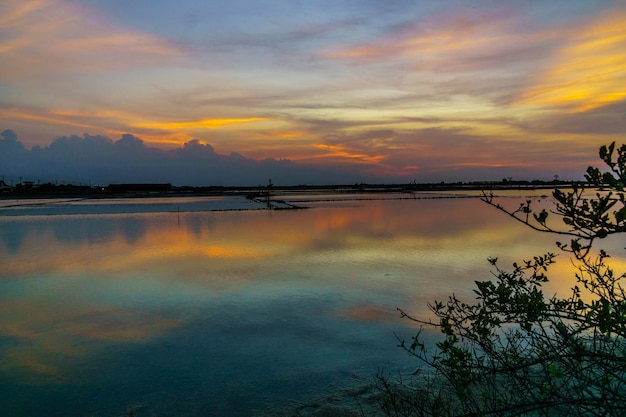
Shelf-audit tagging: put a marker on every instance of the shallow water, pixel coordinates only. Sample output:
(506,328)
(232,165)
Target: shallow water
(184,310)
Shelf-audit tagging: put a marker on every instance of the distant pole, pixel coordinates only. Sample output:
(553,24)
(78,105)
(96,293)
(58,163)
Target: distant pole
(269,191)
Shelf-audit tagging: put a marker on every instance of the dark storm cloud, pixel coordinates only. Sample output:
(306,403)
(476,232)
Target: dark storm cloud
(9,145)
(101,160)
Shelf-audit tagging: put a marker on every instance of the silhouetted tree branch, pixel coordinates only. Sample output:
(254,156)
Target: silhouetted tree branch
(514,351)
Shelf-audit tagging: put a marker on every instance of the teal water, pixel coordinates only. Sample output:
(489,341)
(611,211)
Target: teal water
(181,310)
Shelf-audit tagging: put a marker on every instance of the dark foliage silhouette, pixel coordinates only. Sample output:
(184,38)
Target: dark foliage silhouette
(514,350)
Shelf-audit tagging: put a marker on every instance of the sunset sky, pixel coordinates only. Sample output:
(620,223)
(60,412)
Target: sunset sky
(212,92)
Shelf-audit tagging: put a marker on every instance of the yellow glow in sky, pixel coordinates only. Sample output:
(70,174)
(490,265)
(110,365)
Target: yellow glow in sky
(339,151)
(196,124)
(463,93)
(588,73)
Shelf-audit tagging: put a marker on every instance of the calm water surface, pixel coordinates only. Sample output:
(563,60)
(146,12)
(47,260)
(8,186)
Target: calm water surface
(107,305)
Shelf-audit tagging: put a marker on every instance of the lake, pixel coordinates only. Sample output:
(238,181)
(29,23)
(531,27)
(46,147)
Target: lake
(212,306)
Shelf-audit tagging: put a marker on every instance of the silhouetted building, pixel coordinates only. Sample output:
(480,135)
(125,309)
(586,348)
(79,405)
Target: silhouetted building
(4,187)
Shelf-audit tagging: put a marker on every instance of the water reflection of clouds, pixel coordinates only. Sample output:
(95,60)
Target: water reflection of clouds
(78,230)
(211,248)
(49,337)
(112,278)
(284,232)
(370,313)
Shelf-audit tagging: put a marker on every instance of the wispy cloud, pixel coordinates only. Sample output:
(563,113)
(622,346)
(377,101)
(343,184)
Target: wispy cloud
(195,124)
(55,36)
(405,86)
(486,54)
(453,41)
(338,151)
(588,72)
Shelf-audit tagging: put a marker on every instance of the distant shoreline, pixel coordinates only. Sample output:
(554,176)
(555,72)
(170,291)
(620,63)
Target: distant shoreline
(149,190)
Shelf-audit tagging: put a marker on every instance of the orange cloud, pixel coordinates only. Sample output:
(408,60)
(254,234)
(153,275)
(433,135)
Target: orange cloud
(18,9)
(342,152)
(47,36)
(108,121)
(448,41)
(57,117)
(589,72)
(451,39)
(116,122)
(195,124)
(292,134)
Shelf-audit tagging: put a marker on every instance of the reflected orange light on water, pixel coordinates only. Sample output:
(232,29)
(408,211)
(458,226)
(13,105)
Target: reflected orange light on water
(370,313)
(88,281)
(53,335)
